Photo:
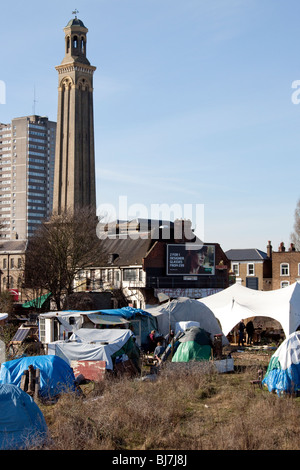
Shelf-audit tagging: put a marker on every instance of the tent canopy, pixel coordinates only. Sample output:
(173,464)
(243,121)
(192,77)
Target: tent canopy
(21,421)
(186,309)
(56,375)
(238,302)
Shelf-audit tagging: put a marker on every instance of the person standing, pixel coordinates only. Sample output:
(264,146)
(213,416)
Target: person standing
(241,332)
(250,331)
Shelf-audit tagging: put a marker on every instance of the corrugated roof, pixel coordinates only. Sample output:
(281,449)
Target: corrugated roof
(246,254)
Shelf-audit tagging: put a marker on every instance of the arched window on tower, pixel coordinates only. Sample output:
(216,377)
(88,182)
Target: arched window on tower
(68,44)
(75,42)
(82,45)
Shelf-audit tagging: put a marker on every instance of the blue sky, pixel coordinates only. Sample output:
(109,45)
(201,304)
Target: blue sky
(192,104)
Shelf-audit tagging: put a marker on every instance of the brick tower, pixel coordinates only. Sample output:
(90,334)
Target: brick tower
(74,179)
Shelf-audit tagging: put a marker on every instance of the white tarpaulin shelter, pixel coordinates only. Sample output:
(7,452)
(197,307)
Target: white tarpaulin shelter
(89,344)
(184,309)
(237,302)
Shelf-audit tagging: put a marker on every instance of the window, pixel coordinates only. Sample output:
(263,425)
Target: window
(284,284)
(236,268)
(130,275)
(250,269)
(284,269)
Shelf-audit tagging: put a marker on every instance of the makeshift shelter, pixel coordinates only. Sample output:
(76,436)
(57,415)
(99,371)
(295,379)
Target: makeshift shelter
(55,325)
(141,322)
(21,421)
(185,309)
(194,345)
(96,345)
(56,376)
(238,302)
(283,372)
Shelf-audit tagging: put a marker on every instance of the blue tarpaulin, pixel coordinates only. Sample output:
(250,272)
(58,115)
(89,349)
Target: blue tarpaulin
(283,373)
(126,312)
(22,423)
(56,376)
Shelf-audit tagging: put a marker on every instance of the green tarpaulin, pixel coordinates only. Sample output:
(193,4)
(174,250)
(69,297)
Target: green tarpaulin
(192,351)
(37,303)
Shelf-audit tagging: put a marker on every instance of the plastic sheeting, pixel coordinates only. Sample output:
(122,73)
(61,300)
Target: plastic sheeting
(89,344)
(56,376)
(283,373)
(192,351)
(184,325)
(21,421)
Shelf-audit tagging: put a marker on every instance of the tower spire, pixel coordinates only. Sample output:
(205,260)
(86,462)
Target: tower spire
(74,180)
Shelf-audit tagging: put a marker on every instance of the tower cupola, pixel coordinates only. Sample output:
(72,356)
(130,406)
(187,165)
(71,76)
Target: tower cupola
(75,42)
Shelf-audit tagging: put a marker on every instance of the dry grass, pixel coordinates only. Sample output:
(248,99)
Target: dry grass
(186,408)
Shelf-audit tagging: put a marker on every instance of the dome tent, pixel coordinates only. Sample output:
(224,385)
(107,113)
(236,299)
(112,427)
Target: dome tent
(283,372)
(185,309)
(22,423)
(194,345)
(56,376)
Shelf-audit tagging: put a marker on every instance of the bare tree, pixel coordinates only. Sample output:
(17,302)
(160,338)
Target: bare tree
(295,235)
(59,249)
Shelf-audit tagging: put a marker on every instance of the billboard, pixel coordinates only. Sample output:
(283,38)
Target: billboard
(198,261)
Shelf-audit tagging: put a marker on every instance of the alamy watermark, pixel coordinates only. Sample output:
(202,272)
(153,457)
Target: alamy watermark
(2,92)
(153,221)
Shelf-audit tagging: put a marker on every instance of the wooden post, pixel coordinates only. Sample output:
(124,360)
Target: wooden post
(31,380)
(37,384)
(24,381)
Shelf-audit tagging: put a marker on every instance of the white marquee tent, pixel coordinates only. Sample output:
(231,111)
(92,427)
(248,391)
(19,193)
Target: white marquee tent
(237,302)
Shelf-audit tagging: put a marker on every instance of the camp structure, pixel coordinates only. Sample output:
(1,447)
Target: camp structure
(185,309)
(22,423)
(237,302)
(108,345)
(194,345)
(283,372)
(60,325)
(139,321)
(56,375)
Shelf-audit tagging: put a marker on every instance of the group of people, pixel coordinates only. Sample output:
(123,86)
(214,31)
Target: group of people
(250,331)
(158,344)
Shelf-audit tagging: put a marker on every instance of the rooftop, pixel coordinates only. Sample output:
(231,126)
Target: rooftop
(246,254)
(75,22)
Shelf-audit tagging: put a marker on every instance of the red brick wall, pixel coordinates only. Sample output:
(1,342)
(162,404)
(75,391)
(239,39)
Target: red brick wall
(290,257)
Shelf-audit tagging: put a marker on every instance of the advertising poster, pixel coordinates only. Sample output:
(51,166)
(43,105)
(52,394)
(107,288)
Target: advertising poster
(182,261)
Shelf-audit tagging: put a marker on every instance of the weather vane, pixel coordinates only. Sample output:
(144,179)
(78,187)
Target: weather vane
(75,12)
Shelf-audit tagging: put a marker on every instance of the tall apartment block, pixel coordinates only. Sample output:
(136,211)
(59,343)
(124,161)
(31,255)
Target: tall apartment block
(27,155)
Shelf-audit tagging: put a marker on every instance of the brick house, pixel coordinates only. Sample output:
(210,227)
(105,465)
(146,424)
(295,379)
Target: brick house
(285,266)
(251,267)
